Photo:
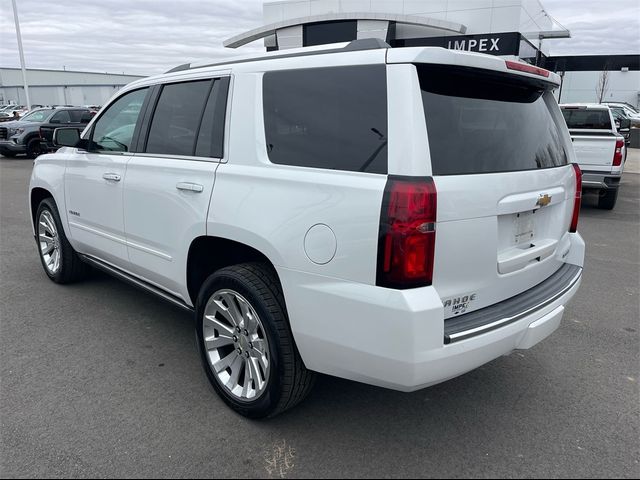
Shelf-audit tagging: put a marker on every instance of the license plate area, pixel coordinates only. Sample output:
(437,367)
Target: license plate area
(523,228)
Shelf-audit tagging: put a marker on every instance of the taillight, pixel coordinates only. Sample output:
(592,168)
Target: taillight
(407,237)
(525,67)
(617,156)
(577,200)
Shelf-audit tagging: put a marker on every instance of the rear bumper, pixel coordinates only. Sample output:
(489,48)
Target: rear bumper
(396,339)
(601,180)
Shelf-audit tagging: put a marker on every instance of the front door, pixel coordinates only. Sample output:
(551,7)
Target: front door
(94,180)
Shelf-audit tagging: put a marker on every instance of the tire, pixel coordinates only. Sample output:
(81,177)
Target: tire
(67,266)
(8,154)
(286,380)
(608,199)
(33,148)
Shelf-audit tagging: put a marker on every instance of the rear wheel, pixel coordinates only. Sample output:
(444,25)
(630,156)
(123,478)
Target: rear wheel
(245,342)
(8,154)
(608,199)
(60,261)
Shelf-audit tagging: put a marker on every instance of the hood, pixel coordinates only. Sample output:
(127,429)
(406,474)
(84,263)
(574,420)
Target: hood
(17,124)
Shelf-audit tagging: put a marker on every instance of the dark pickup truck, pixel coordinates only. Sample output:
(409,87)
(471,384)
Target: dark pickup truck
(33,133)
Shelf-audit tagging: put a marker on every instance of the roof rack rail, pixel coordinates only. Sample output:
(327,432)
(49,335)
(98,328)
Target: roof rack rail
(353,46)
(365,44)
(179,68)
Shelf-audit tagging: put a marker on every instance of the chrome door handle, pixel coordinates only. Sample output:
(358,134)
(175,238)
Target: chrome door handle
(190,187)
(112,177)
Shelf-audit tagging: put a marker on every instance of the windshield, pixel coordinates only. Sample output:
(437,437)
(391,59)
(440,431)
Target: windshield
(486,123)
(37,116)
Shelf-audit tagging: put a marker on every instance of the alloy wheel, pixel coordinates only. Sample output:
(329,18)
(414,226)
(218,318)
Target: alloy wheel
(49,241)
(236,345)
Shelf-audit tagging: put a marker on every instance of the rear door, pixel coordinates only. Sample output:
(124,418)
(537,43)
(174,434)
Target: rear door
(500,160)
(168,186)
(592,133)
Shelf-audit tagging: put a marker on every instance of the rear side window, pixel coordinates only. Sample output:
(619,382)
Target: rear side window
(587,118)
(332,118)
(211,133)
(77,116)
(485,123)
(177,117)
(61,117)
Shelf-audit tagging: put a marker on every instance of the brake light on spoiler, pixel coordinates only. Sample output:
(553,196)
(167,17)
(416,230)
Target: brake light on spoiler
(525,67)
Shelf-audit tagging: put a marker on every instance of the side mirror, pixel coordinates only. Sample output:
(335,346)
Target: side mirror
(54,120)
(66,137)
(624,125)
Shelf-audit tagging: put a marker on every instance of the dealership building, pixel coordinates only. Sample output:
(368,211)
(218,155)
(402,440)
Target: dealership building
(520,29)
(60,87)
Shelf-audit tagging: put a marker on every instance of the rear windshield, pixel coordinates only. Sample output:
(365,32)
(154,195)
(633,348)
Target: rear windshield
(487,123)
(587,118)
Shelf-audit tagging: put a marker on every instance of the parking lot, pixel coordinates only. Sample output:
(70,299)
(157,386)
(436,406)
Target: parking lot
(101,380)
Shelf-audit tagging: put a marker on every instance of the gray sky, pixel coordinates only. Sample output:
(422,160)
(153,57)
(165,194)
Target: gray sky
(151,36)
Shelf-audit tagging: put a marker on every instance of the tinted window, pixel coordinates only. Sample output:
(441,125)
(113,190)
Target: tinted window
(484,123)
(77,116)
(113,131)
(176,118)
(61,117)
(329,32)
(211,134)
(334,118)
(587,118)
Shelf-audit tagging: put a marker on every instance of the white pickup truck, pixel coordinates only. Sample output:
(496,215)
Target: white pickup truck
(599,148)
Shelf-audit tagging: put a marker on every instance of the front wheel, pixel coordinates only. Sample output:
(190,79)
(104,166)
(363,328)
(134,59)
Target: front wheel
(60,261)
(34,148)
(245,342)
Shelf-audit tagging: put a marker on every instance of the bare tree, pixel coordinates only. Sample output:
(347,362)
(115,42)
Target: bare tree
(603,85)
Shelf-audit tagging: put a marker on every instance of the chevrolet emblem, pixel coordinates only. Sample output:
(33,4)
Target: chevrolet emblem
(544,200)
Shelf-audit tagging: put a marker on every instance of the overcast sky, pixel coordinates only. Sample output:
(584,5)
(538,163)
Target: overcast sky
(151,36)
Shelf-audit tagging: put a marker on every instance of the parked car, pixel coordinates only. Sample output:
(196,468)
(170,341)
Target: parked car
(392,216)
(629,110)
(600,149)
(12,113)
(623,123)
(620,113)
(24,135)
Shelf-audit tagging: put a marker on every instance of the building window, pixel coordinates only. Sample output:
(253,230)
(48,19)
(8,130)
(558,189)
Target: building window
(329,32)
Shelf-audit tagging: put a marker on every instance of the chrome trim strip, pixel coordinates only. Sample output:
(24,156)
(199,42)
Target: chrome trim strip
(164,256)
(135,282)
(455,337)
(122,241)
(98,232)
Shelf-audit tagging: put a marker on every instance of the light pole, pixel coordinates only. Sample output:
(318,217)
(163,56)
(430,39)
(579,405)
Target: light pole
(24,70)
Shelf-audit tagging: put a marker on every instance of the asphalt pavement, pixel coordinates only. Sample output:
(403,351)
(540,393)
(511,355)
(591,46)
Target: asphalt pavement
(99,379)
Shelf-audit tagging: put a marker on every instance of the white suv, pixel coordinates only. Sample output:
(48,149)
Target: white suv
(391,216)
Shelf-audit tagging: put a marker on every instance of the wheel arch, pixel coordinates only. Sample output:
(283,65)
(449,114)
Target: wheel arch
(37,195)
(208,254)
